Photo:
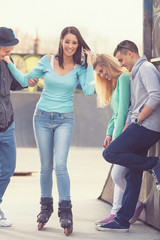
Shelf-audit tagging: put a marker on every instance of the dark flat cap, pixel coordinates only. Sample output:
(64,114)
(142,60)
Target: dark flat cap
(7,37)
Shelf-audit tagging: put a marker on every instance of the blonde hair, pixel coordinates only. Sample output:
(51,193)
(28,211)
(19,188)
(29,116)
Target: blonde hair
(103,86)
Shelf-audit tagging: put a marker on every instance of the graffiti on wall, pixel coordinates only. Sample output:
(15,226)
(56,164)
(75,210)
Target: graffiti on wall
(156,29)
(26,63)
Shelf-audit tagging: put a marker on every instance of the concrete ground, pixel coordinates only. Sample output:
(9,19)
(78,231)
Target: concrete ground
(88,173)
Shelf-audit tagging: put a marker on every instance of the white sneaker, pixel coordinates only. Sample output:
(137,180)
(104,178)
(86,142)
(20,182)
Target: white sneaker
(4,222)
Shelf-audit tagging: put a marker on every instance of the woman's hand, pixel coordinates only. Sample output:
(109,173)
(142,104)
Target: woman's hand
(7,59)
(33,82)
(90,57)
(107,141)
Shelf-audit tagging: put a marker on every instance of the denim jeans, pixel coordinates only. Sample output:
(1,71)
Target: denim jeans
(53,134)
(7,157)
(130,150)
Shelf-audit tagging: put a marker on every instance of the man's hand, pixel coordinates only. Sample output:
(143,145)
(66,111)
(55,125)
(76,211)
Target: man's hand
(7,59)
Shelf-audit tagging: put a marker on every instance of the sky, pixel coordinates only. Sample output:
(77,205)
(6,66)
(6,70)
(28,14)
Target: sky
(104,22)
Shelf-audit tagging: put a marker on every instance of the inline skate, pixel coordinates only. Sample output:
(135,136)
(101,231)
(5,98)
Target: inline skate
(46,211)
(65,215)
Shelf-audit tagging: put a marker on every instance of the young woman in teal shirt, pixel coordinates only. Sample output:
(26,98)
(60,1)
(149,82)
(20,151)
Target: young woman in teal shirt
(113,87)
(54,118)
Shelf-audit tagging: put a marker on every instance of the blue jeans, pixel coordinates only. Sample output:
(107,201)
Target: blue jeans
(130,150)
(53,133)
(7,157)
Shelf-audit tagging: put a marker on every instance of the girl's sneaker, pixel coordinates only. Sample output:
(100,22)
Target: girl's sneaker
(4,222)
(106,220)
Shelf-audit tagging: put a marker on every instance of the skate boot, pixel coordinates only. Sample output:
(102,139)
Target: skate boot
(65,215)
(46,211)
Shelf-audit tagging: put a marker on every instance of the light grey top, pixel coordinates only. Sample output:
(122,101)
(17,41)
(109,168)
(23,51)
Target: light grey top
(145,90)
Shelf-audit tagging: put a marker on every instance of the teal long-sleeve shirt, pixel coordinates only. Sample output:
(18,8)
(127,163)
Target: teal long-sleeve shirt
(58,91)
(120,102)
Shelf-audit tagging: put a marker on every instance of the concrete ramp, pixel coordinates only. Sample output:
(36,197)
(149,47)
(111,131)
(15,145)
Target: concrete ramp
(90,121)
(24,104)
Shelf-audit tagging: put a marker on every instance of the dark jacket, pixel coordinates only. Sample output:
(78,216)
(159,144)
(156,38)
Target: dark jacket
(7,83)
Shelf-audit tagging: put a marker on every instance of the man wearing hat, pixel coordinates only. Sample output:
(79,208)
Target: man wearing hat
(7,133)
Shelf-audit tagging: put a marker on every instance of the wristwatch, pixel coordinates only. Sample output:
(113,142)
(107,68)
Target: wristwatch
(137,121)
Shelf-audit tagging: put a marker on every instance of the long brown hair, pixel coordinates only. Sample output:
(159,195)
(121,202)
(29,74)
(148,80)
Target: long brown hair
(77,57)
(103,86)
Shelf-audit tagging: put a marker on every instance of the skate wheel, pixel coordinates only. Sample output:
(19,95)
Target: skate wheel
(67,232)
(40,226)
